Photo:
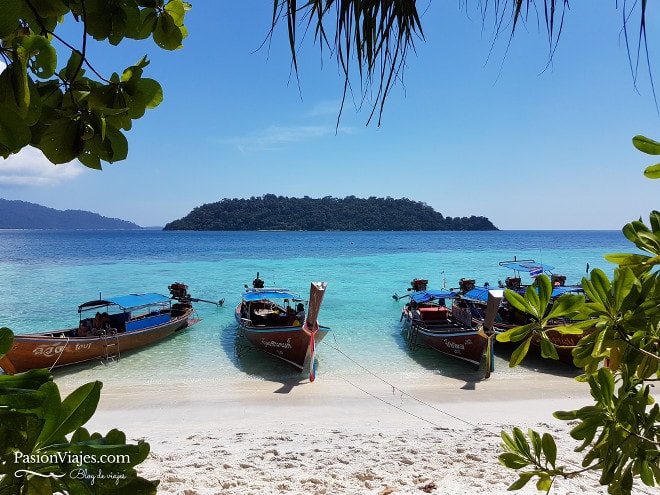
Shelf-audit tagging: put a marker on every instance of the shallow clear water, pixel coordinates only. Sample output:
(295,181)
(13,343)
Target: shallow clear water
(47,274)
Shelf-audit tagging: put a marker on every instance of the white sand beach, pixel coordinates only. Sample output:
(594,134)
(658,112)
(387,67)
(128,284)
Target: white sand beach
(341,435)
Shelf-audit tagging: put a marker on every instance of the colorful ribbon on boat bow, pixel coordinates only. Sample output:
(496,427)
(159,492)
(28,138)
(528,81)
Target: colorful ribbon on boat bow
(490,350)
(312,347)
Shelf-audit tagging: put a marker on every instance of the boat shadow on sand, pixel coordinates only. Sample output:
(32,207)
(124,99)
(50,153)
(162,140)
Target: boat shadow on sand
(441,364)
(258,364)
(447,366)
(533,362)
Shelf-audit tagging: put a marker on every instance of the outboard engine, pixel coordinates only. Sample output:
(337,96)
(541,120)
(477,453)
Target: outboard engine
(179,292)
(466,284)
(257,283)
(419,284)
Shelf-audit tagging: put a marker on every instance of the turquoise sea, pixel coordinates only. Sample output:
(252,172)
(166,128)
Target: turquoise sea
(46,274)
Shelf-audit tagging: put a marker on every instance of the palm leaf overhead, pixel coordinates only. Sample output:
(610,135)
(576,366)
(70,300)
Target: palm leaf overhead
(374,37)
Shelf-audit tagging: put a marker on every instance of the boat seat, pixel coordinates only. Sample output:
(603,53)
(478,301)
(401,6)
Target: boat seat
(434,314)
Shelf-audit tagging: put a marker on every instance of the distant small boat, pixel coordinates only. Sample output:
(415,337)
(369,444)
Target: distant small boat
(434,318)
(282,323)
(107,327)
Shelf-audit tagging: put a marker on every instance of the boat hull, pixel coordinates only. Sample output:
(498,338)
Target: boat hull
(45,351)
(564,343)
(466,345)
(290,344)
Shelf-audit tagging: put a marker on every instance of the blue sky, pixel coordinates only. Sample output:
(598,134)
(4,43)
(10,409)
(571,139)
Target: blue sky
(473,129)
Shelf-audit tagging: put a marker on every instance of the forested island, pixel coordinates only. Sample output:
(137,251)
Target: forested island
(271,212)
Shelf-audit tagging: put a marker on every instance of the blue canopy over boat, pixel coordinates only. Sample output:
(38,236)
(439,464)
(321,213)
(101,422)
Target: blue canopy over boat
(566,289)
(128,301)
(429,295)
(481,293)
(478,294)
(258,295)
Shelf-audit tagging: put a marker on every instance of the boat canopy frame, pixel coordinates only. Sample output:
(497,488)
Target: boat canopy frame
(431,295)
(129,302)
(526,266)
(251,295)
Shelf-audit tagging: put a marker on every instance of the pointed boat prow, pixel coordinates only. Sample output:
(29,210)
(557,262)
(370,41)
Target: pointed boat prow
(494,299)
(492,305)
(316,293)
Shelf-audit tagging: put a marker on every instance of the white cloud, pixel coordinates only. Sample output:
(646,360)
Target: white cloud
(325,108)
(30,167)
(277,136)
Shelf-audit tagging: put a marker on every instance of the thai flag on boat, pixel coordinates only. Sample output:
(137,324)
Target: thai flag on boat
(536,271)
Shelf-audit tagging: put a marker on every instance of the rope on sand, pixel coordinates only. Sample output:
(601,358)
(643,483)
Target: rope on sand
(403,393)
(592,475)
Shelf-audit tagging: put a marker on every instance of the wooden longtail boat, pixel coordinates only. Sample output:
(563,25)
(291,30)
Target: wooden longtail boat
(281,323)
(474,297)
(107,328)
(433,318)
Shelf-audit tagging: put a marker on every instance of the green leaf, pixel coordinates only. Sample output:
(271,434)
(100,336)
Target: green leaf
(512,461)
(509,442)
(167,34)
(152,91)
(652,171)
(544,288)
(59,143)
(521,442)
(14,132)
(566,415)
(646,473)
(99,18)
(566,304)
(73,70)
(519,353)
(148,19)
(118,145)
(623,284)
(41,56)
(516,334)
(646,145)
(549,449)
(535,307)
(624,259)
(29,380)
(76,410)
(177,9)
(523,479)
(605,386)
(23,400)
(517,301)
(574,328)
(548,349)
(9,19)
(6,341)
(535,441)
(598,287)
(544,483)
(51,8)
